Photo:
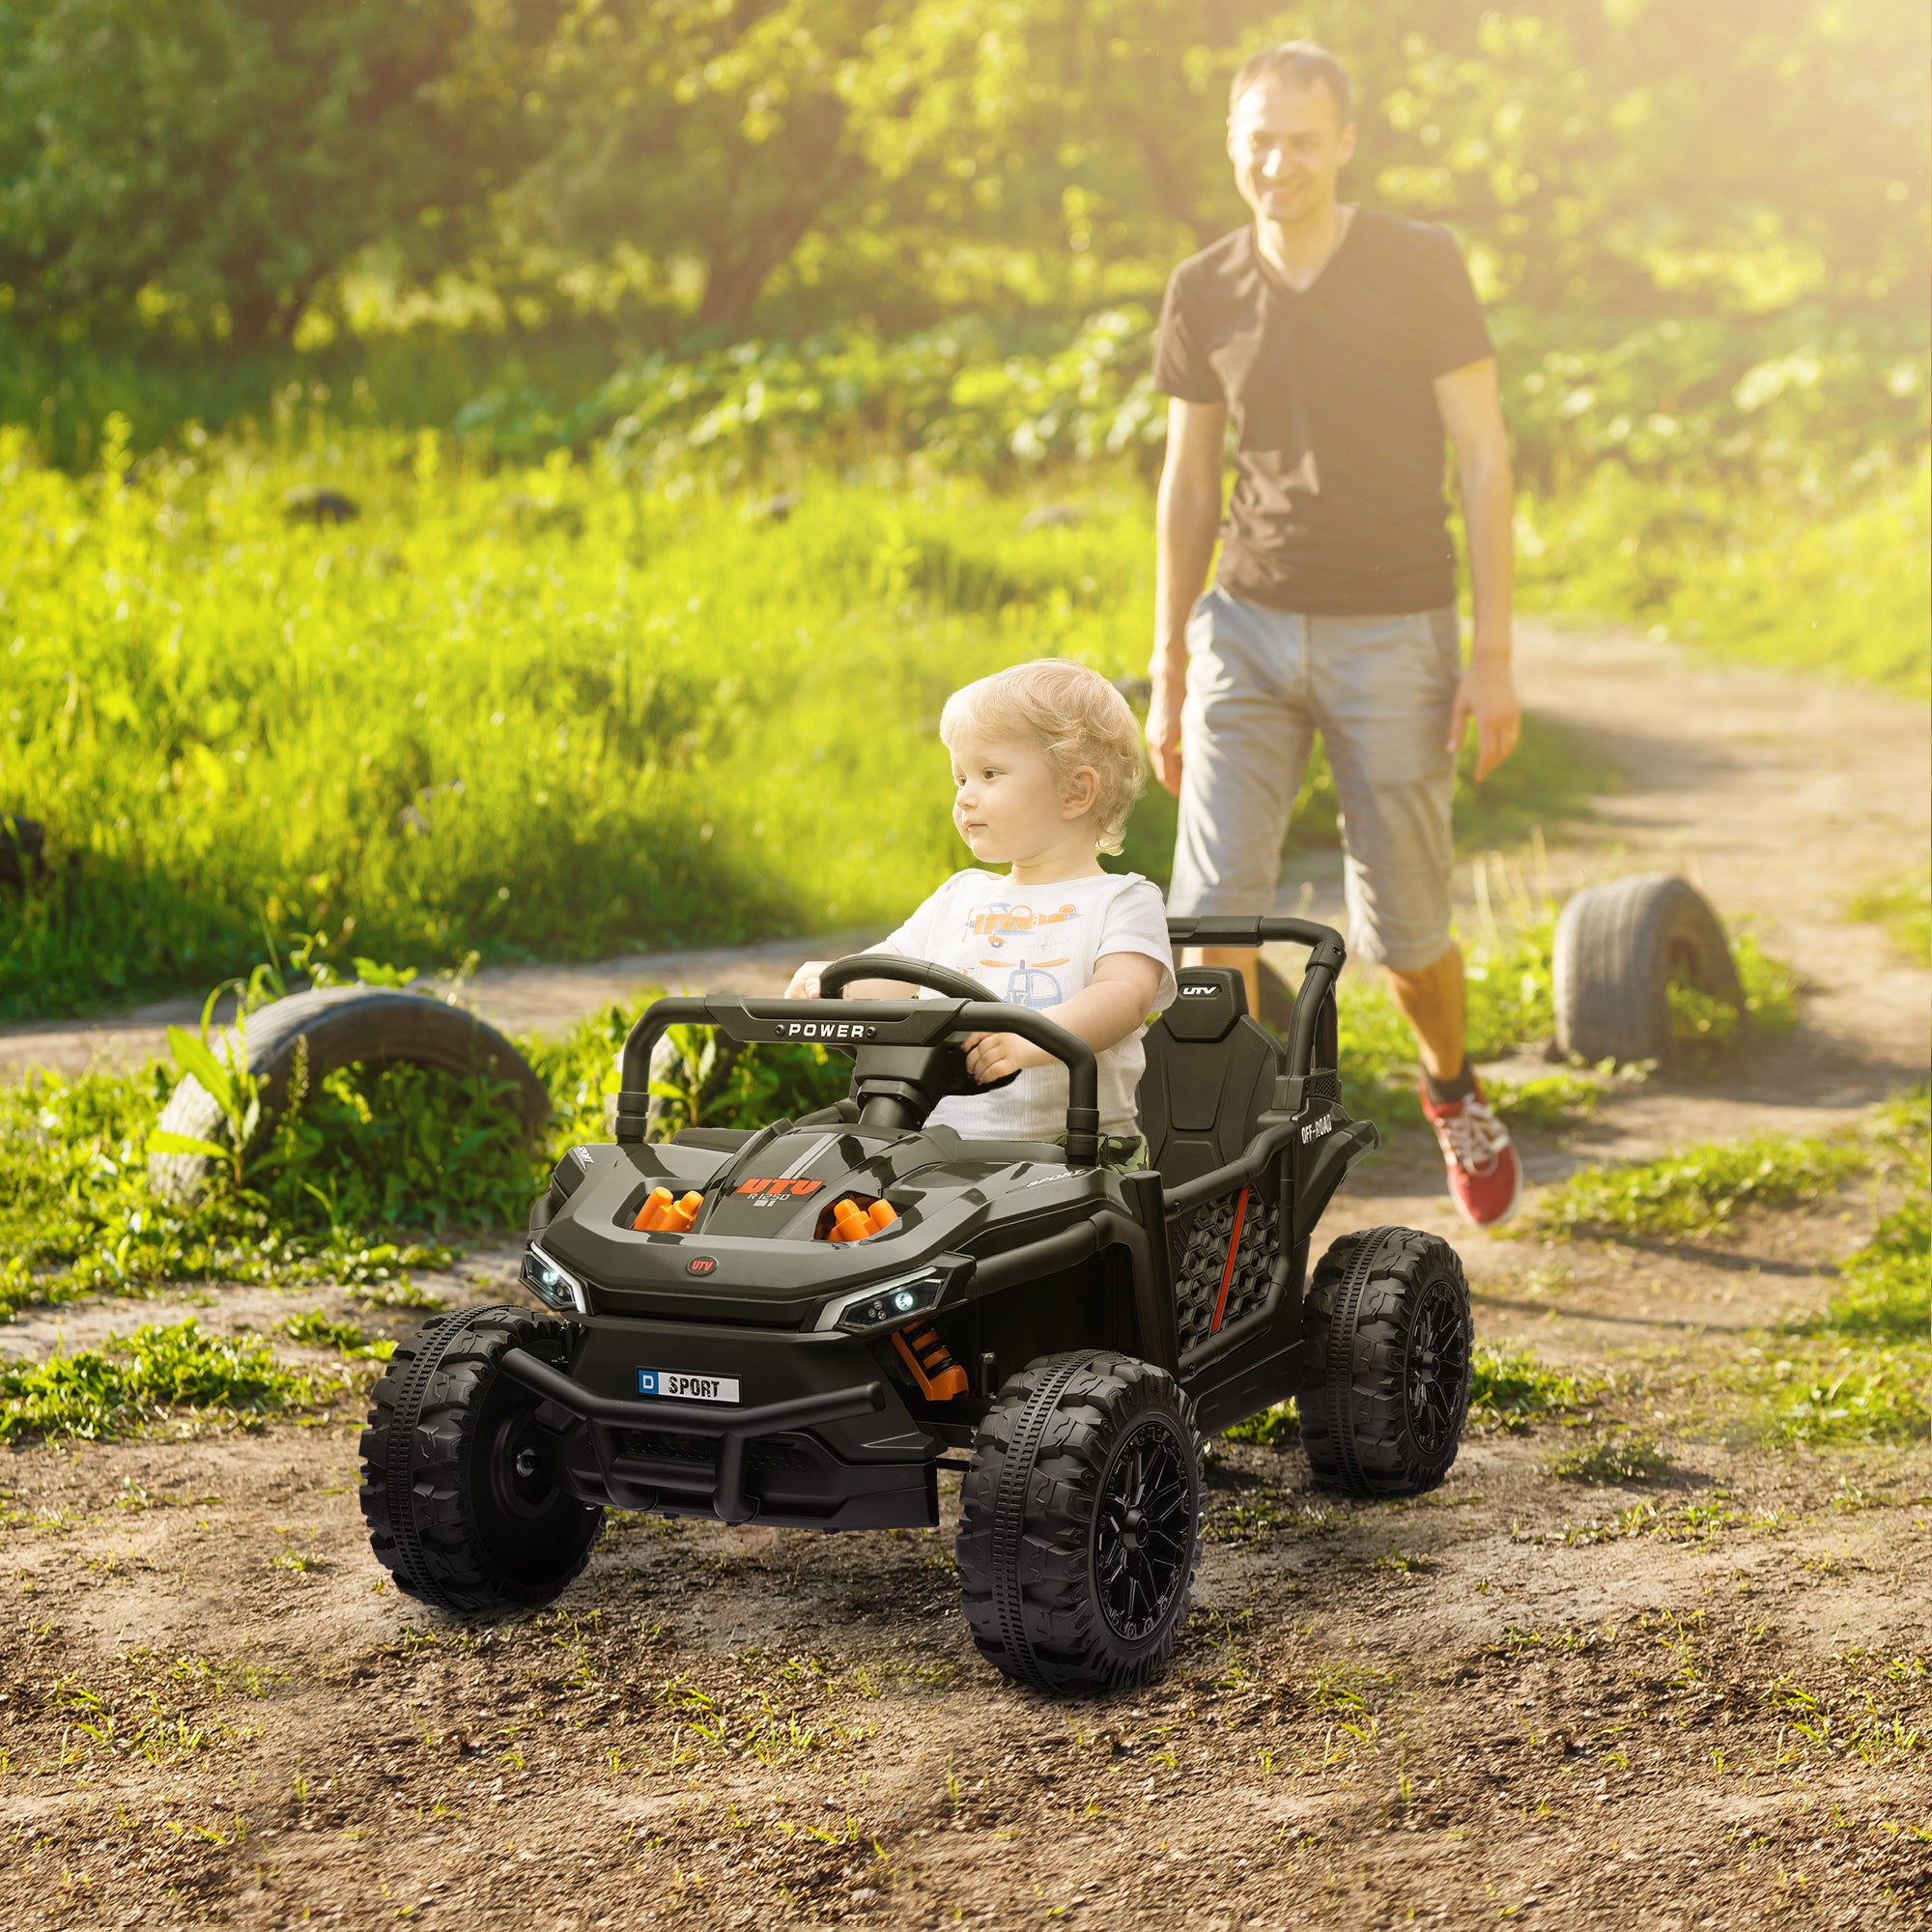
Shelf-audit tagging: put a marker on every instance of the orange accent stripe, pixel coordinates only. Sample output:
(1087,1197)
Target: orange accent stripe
(1228,1272)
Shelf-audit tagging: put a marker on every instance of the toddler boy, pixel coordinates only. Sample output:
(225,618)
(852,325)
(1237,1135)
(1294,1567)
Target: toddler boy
(1047,765)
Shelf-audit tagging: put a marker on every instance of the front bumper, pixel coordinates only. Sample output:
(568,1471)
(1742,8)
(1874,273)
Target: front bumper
(823,1442)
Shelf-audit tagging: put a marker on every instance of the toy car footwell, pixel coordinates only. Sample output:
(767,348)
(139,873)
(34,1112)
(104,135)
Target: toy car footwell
(707,1348)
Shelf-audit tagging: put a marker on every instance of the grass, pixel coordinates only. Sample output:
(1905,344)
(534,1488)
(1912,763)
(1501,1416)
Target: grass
(555,710)
(355,1185)
(1859,1368)
(1756,577)
(1616,1458)
(1697,1189)
(1903,906)
(160,1372)
(1511,1389)
(1276,1428)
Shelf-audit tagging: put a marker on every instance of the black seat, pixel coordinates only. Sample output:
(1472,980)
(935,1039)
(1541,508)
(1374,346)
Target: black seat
(1210,1073)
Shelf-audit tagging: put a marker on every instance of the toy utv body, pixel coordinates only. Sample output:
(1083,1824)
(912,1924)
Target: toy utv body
(787,1352)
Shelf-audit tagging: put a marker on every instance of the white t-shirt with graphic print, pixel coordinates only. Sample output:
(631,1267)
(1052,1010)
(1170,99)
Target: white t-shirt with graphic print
(1035,948)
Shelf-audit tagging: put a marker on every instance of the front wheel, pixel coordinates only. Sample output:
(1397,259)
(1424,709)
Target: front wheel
(461,1508)
(1080,1523)
(1389,1333)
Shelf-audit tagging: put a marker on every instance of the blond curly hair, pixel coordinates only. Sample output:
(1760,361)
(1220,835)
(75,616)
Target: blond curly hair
(1075,717)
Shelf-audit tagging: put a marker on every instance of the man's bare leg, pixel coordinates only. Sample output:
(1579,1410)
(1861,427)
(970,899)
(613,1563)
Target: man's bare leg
(1431,1001)
(1244,959)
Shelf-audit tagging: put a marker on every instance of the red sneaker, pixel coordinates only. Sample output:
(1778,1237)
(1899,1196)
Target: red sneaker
(1485,1174)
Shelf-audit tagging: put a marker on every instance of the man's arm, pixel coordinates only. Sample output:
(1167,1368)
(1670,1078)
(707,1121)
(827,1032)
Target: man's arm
(1187,515)
(1473,416)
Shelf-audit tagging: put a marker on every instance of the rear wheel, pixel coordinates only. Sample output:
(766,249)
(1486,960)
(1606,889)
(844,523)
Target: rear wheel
(1389,1329)
(1080,1523)
(460,1505)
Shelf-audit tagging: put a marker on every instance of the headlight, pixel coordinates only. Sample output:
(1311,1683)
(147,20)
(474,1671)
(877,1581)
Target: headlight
(554,1286)
(887,1305)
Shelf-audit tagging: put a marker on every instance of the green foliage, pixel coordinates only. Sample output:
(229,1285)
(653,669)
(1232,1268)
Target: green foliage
(1699,1189)
(1511,1389)
(1617,1458)
(201,169)
(343,1188)
(1276,1428)
(159,1373)
(1790,577)
(315,1329)
(1903,906)
(1707,1031)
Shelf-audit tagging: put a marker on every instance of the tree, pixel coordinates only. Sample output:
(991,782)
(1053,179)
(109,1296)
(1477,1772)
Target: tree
(222,157)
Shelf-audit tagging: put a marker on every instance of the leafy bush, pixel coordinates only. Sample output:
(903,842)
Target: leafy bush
(1275,1428)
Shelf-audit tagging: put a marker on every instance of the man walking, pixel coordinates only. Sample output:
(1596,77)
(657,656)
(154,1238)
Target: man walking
(1345,344)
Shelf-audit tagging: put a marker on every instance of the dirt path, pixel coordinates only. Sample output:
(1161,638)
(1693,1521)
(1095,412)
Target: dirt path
(1702,1701)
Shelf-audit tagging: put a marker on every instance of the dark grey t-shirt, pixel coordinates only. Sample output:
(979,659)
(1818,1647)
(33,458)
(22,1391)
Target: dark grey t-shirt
(1338,504)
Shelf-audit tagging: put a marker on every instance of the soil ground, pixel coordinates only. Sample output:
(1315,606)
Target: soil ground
(1698,1701)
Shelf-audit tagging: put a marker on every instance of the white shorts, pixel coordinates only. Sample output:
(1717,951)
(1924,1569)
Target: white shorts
(1379,690)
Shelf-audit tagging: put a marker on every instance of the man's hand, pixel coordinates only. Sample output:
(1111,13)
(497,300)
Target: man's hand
(992,1056)
(1486,694)
(1163,736)
(804,982)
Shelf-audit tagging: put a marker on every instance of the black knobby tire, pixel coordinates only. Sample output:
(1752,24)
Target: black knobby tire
(459,1508)
(336,1026)
(1080,1523)
(1619,947)
(1390,1332)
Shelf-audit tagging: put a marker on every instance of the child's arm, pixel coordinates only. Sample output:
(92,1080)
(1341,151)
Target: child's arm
(1116,999)
(804,982)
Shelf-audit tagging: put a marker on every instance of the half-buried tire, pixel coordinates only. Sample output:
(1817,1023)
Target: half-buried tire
(1619,950)
(313,1034)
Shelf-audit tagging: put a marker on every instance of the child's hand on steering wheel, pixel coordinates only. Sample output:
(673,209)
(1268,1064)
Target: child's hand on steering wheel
(804,982)
(992,1056)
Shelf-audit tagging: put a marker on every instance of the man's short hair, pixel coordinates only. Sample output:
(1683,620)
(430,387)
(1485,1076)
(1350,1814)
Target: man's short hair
(1075,717)
(1302,64)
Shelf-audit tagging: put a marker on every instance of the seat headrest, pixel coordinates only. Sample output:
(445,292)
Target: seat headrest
(1208,1001)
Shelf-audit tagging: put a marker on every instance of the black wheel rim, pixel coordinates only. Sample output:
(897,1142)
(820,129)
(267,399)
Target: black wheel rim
(529,1528)
(1436,1378)
(1144,1530)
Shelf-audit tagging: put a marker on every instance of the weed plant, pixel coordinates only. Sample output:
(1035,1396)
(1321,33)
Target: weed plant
(1699,1189)
(160,1372)
(1511,1389)
(1903,906)
(1616,1458)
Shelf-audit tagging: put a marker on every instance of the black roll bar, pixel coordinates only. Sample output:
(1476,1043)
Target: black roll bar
(1313,1023)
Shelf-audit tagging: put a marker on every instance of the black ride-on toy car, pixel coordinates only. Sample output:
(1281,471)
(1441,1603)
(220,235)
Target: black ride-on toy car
(775,1345)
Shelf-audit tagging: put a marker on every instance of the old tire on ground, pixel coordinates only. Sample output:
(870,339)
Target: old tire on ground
(336,1026)
(1080,1523)
(1390,1332)
(454,1491)
(1619,947)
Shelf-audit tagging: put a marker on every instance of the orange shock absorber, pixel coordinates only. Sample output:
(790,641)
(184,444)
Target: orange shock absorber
(678,1220)
(881,1214)
(939,1376)
(650,1216)
(849,1222)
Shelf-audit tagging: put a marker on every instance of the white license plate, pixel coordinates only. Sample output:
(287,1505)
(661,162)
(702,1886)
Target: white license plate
(681,1387)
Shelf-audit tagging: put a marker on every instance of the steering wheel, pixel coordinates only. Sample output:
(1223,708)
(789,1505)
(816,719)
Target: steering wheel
(936,979)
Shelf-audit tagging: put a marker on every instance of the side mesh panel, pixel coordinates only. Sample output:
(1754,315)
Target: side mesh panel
(1203,1265)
